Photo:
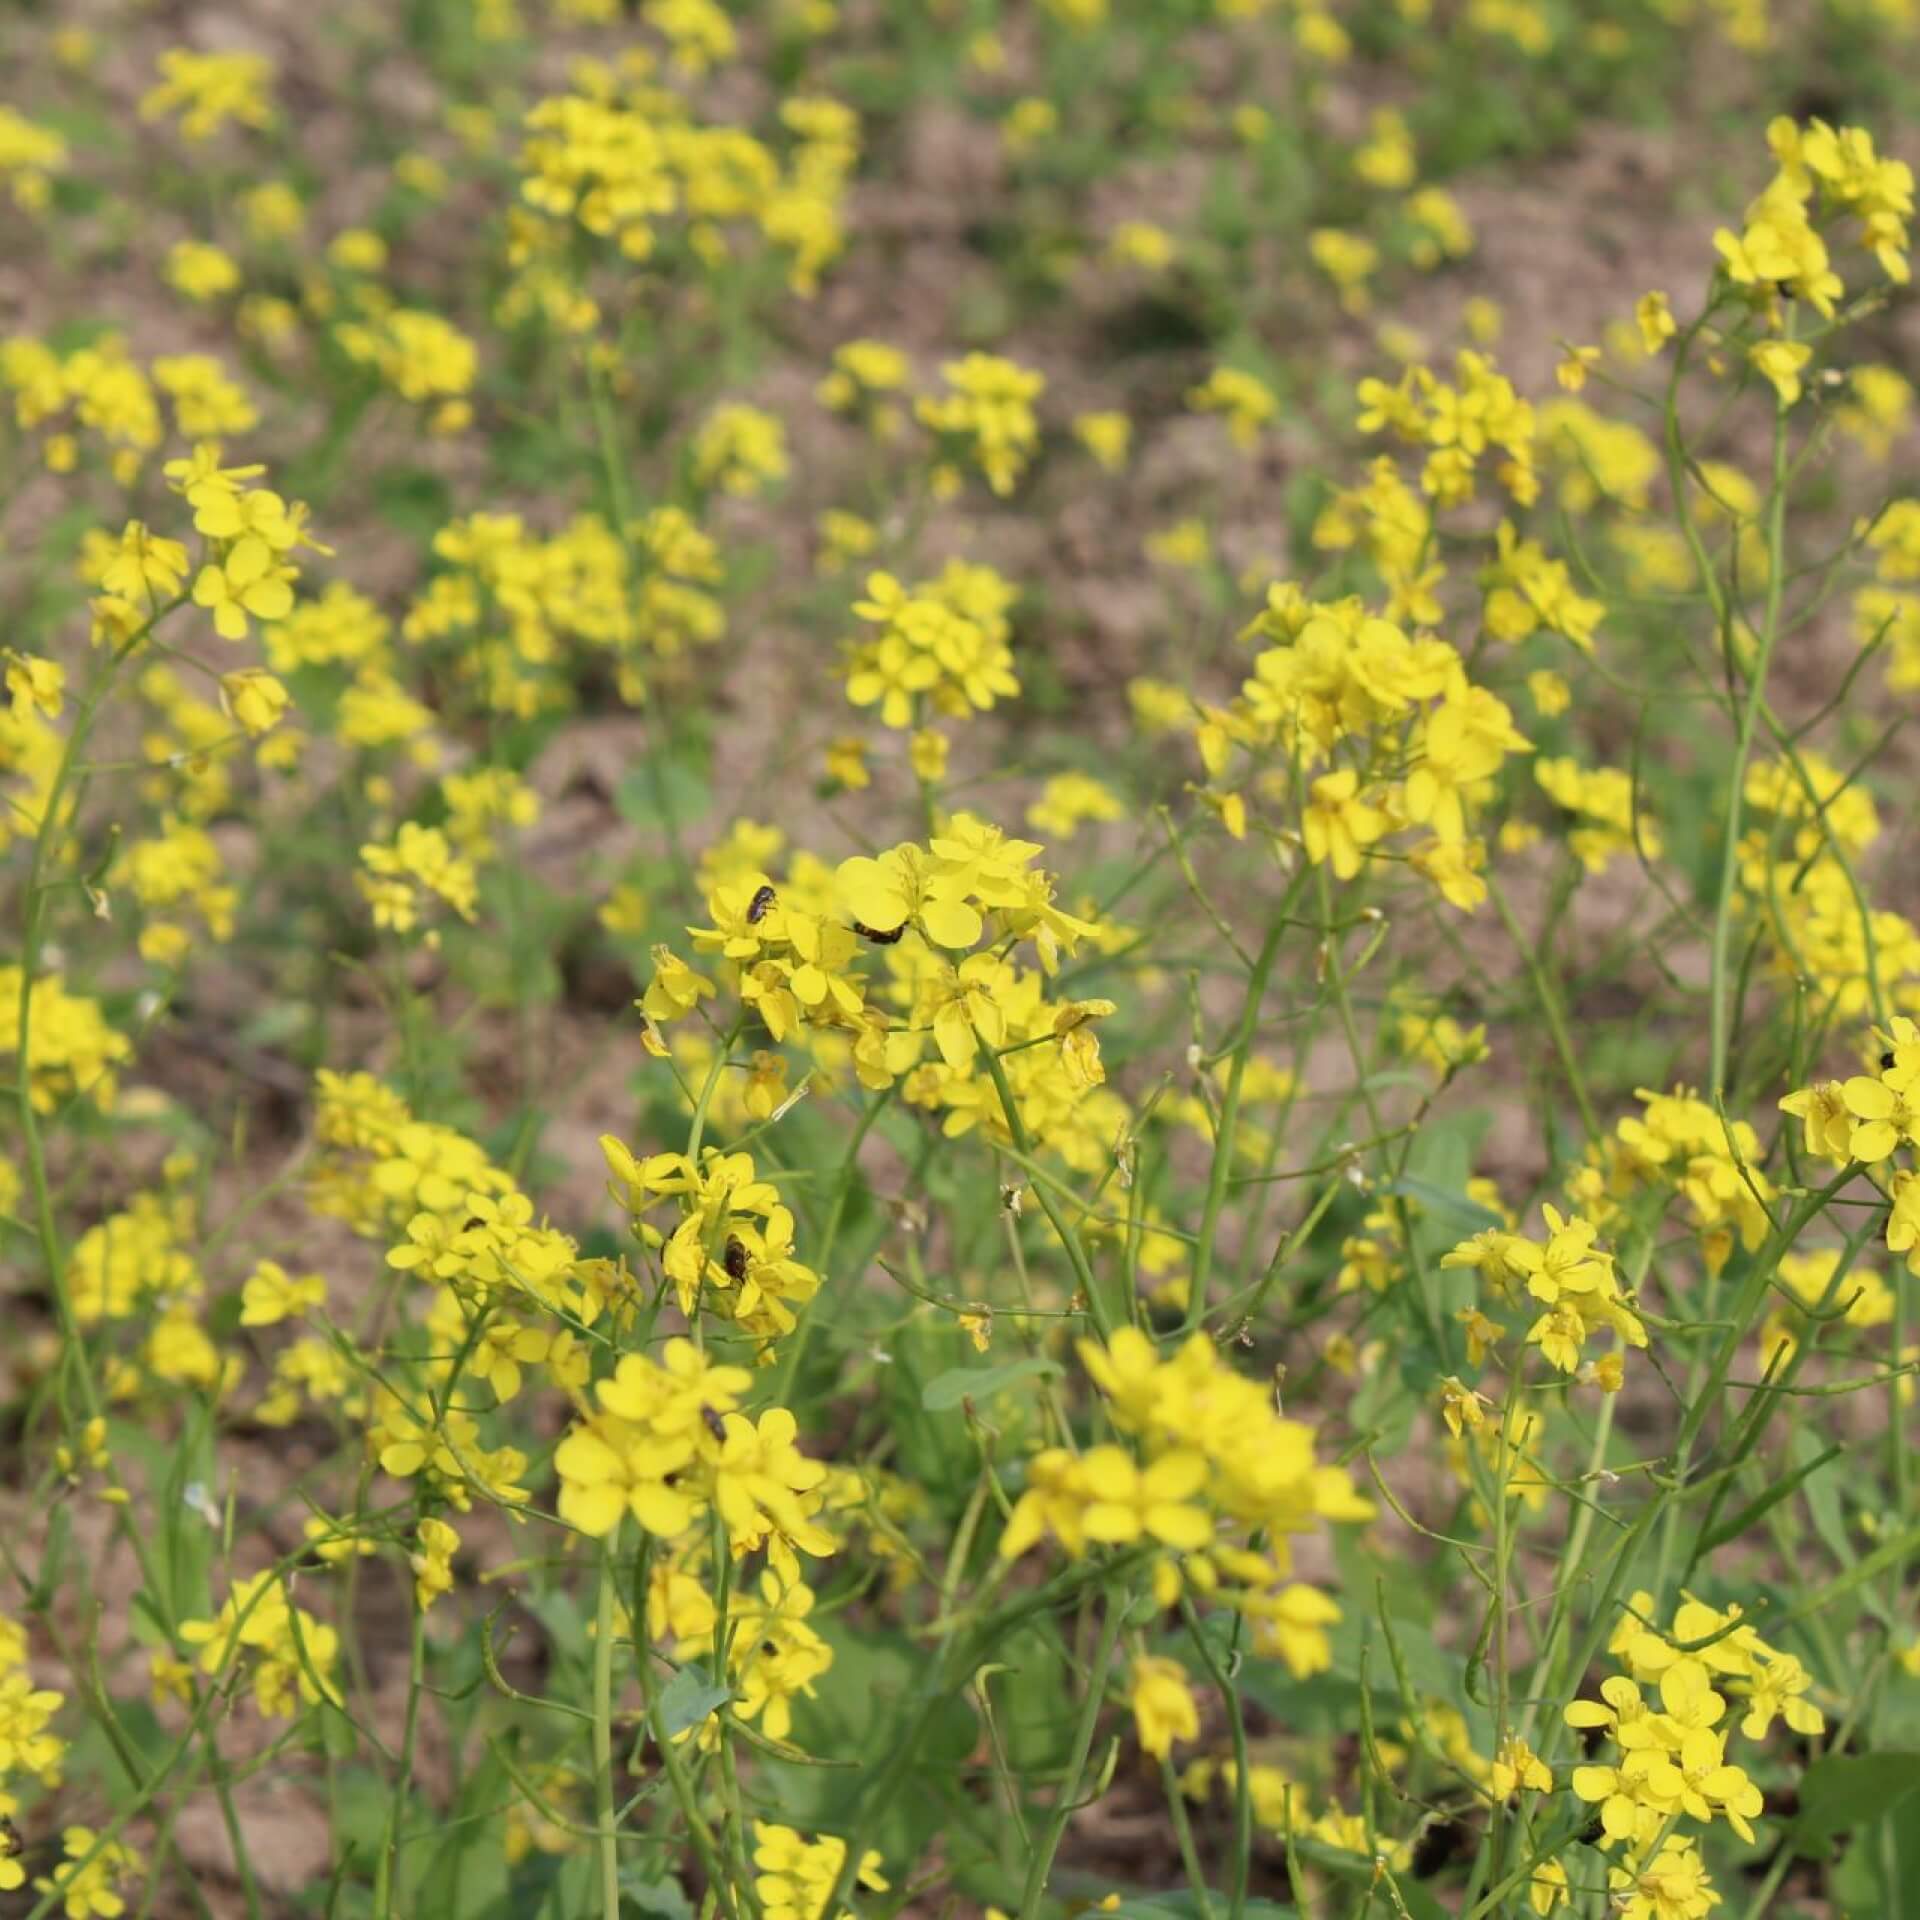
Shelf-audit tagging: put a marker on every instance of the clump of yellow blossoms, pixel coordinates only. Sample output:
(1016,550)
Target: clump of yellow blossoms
(289,1654)
(988,409)
(1573,1279)
(939,647)
(1216,1465)
(1671,1762)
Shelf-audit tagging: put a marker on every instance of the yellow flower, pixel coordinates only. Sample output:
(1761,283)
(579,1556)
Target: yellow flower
(1781,362)
(1516,1765)
(1292,1626)
(255,698)
(200,271)
(1548,1888)
(741,450)
(146,568)
(1882,1119)
(34,685)
(1654,317)
(846,763)
(1107,435)
(93,1889)
(1164,1709)
(1246,401)
(209,89)
(991,406)
(1128,1503)
(1339,823)
(927,754)
(250,580)
(611,1468)
(271,1295)
(1673,1885)
(882,895)
(432,1562)
(1823,1112)
(675,989)
(1461,1407)
(1571,372)
(1139,243)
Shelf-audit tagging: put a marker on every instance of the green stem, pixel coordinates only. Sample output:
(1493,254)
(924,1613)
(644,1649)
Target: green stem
(1041,1864)
(1242,1780)
(396,1806)
(1069,1240)
(1550,1008)
(1223,1143)
(608,1836)
(1743,748)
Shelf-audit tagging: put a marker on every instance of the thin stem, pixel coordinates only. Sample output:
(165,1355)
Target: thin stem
(1550,1008)
(1717,999)
(1041,1864)
(1223,1141)
(1242,1781)
(607,1830)
(396,1806)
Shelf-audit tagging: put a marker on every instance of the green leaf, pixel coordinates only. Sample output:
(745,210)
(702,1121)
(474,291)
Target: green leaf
(1847,1791)
(862,1716)
(687,1699)
(1823,1498)
(103,1761)
(1032,1700)
(1419,1903)
(1470,1214)
(661,791)
(414,500)
(1757,1509)
(1887,1554)
(667,1898)
(570,1893)
(945,1391)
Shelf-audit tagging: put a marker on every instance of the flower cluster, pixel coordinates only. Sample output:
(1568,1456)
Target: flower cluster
(622,155)
(1572,1278)
(667,1444)
(1216,1469)
(939,647)
(797,1874)
(1671,1762)
(288,1654)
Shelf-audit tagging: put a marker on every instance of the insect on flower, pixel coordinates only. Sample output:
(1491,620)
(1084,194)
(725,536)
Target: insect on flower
(874,934)
(734,1259)
(758,906)
(1437,1846)
(715,1425)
